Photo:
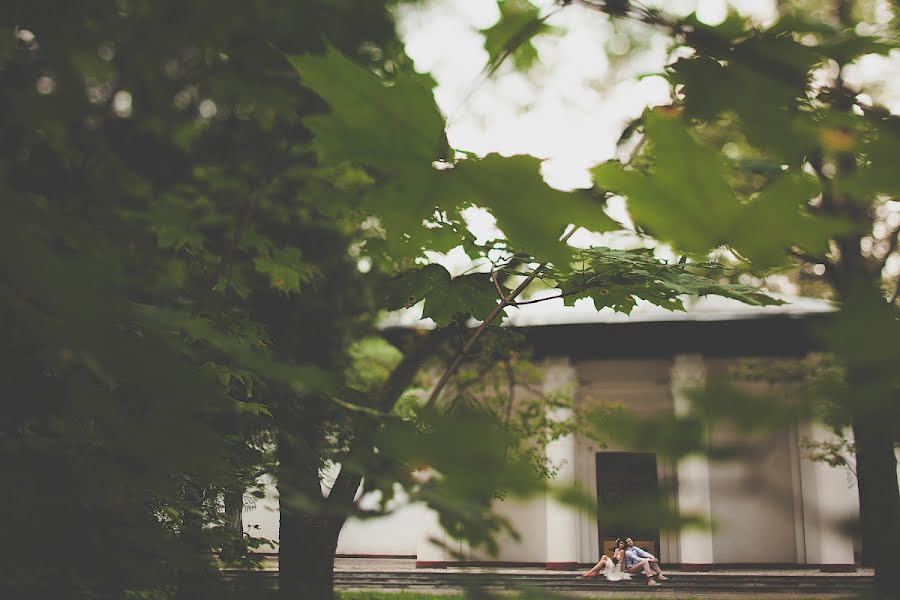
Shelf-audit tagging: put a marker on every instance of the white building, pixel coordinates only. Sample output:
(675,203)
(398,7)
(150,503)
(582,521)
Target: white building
(776,507)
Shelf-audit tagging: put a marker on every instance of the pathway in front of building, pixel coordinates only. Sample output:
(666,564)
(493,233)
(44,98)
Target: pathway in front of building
(402,574)
(409,564)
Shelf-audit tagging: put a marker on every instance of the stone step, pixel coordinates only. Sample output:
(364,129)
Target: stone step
(591,584)
(570,576)
(677,582)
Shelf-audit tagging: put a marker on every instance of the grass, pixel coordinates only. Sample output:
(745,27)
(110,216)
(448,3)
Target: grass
(457,596)
(397,596)
(449,596)
(374,595)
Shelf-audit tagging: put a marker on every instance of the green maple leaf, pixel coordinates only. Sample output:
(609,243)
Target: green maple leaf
(285,269)
(879,149)
(394,129)
(531,214)
(174,225)
(397,132)
(373,123)
(512,34)
(617,278)
(686,200)
(402,204)
(727,83)
(776,220)
(843,45)
(444,297)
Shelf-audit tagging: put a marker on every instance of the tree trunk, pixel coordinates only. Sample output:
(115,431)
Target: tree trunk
(307,537)
(879,498)
(198,579)
(234,512)
(873,410)
(306,556)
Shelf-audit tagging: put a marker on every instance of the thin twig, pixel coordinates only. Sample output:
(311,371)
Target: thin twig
(562,295)
(504,302)
(496,284)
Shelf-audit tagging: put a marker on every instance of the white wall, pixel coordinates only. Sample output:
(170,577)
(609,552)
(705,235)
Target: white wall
(261,519)
(395,534)
(529,518)
(752,505)
(830,499)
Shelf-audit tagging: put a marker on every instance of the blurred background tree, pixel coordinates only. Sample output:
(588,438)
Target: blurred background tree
(161,215)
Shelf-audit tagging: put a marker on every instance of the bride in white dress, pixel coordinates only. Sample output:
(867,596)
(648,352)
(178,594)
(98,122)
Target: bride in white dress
(612,568)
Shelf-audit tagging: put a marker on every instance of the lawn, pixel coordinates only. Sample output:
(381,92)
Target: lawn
(455,596)
(375,595)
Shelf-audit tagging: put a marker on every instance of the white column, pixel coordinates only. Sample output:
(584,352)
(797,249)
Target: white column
(586,464)
(562,521)
(830,497)
(695,546)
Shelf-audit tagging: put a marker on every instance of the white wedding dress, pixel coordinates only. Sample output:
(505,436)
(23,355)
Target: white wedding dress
(614,572)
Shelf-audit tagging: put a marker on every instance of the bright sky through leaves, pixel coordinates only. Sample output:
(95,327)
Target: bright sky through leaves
(571,107)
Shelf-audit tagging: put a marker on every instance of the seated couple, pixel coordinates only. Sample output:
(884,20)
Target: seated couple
(626,560)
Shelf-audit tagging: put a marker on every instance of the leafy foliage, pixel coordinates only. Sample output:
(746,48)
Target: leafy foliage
(162,220)
(618,278)
(390,128)
(445,298)
(511,36)
(687,199)
(513,190)
(400,147)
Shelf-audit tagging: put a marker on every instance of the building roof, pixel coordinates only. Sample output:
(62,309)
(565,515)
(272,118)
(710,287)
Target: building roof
(712,326)
(706,308)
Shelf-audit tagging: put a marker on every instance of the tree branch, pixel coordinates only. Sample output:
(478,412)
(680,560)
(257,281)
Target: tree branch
(561,295)
(504,302)
(347,482)
(496,284)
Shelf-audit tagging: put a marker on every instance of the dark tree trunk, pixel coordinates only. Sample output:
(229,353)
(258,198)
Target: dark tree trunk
(879,499)
(873,410)
(873,406)
(306,556)
(198,579)
(307,538)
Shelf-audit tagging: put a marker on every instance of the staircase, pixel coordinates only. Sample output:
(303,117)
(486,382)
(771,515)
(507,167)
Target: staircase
(804,584)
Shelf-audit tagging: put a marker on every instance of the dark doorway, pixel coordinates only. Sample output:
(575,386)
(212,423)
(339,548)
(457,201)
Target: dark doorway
(627,489)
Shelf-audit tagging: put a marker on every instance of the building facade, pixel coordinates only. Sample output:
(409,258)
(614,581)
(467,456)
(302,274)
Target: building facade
(770,507)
